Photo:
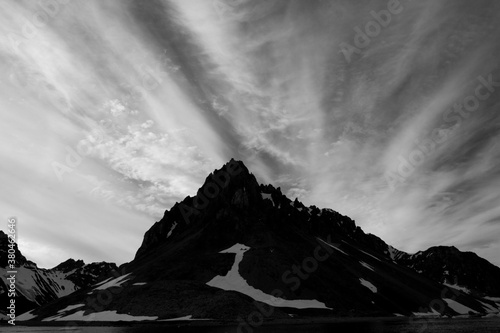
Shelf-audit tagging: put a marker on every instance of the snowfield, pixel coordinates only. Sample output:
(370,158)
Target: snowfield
(233,281)
(26,316)
(102,282)
(368,285)
(114,283)
(71,307)
(172,229)
(489,308)
(457,307)
(494,299)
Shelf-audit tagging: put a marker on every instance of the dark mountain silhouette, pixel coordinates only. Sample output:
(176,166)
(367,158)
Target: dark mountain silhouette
(239,248)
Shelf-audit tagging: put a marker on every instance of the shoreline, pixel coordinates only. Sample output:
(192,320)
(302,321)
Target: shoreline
(232,323)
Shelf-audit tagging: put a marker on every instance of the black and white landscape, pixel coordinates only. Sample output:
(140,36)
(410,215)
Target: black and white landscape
(307,162)
(239,249)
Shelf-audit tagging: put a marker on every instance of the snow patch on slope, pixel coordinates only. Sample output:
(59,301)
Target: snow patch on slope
(172,229)
(100,316)
(395,253)
(26,316)
(102,282)
(368,285)
(427,314)
(332,246)
(267,196)
(71,307)
(364,264)
(371,255)
(494,299)
(456,286)
(114,283)
(29,281)
(234,281)
(489,308)
(458,307)
(190,317)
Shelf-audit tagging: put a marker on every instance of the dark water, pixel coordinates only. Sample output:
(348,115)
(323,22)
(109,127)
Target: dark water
(480,325)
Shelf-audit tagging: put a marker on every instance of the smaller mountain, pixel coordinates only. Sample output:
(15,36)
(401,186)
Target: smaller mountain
(38,286)
(69,265)
(465,271)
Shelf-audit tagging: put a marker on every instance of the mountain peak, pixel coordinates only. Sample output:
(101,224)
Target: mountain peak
(69,265)
(232,171)
(232,184)
(232,187)
(232,205)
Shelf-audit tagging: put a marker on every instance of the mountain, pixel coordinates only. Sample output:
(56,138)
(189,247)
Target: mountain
(463,270)
(38,286)
(239,250)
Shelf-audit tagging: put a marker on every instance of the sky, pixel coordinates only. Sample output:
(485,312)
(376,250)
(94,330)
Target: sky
(385,111)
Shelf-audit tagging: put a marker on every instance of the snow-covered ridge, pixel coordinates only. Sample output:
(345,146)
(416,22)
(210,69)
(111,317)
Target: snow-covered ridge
(33,283)
(39,286)
(394,253)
